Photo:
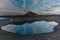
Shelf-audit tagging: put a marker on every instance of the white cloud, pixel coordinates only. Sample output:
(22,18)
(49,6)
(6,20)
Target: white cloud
(46,1)
(6,7)
(35,2)
(56,5)
(31,28)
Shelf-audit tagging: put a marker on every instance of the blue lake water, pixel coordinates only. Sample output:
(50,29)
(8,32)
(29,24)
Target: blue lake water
(30,27)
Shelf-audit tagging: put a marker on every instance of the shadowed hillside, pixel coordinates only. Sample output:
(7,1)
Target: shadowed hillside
(30,16)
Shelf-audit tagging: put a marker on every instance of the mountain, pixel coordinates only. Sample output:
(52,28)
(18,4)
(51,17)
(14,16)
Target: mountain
(30,16)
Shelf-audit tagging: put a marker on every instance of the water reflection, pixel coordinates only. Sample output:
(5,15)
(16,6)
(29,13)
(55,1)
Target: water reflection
(36,27)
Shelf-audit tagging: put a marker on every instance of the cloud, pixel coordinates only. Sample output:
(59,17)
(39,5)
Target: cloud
(6,7)
(56,5)
(56,12)
(31,28)
(35,2)
(46,1)
(41,7)
(48,7)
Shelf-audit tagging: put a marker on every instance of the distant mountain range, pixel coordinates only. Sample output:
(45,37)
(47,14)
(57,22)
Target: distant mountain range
(30,16)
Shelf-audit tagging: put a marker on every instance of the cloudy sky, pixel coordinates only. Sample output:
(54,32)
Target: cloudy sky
(12,7)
